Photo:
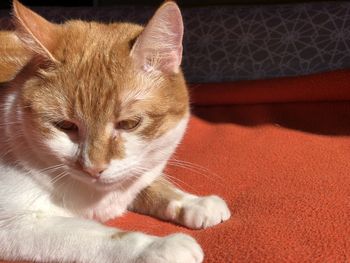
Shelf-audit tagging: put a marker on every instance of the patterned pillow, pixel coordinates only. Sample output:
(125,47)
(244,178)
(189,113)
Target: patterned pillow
(228,43)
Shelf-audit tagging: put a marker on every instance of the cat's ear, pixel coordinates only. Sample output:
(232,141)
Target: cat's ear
(37,34)
(159,47)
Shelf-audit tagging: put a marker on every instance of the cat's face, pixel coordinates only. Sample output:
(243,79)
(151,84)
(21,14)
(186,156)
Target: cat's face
(108,102)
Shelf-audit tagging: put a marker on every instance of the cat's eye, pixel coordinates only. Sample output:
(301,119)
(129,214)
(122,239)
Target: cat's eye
(66,126)
(129,125)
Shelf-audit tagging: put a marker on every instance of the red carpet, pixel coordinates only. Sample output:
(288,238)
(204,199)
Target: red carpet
(284,169)
(287,184)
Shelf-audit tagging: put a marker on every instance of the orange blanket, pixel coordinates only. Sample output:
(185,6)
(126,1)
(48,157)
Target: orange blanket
(284,169)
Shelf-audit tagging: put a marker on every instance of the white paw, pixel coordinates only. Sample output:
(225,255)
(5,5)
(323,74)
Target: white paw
(176,248)
(198,212)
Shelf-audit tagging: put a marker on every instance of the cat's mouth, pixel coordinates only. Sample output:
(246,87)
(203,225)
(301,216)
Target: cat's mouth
(121,181)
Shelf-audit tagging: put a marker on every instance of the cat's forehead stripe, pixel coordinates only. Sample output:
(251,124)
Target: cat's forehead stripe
(130,96)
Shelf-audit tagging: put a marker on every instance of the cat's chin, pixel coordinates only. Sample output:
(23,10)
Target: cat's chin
(122,182)
(95,183)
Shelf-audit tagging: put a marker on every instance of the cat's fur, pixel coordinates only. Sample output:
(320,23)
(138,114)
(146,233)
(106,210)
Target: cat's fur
(56,183)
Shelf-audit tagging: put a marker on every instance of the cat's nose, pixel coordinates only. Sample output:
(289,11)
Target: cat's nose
(95,171)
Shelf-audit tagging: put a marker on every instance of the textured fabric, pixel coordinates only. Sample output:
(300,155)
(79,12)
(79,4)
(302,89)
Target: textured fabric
(283,169)
(288,89)
(227,43)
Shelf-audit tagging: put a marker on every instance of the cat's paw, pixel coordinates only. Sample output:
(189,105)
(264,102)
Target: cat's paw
(176,248)
(198,212)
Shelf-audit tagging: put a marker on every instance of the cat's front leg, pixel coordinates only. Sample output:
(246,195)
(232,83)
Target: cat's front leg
(163,200)
(36,237)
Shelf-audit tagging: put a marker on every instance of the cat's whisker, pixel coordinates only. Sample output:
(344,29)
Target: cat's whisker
(72,185)
(195,166)
(174,180)
(51,168)
(62,183)
(58,177)
(170,179)
(197,169)
(189,163)
(165,179)
(178,182)
(145,194)
(194,170)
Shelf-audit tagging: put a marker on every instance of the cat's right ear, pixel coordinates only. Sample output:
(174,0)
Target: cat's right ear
(38,35)
(159,47)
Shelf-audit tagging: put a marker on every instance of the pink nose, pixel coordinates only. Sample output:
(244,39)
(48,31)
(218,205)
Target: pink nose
(95,171)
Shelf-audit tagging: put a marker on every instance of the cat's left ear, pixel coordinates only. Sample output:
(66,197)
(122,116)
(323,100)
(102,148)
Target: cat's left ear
(37,34)
(159,47)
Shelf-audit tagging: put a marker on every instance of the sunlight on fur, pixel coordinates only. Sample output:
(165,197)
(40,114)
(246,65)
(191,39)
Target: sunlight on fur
(91,113)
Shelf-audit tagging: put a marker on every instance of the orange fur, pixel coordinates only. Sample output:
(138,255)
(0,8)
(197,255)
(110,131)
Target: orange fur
(92,114)
(87,75)
(13,56)
(154,199)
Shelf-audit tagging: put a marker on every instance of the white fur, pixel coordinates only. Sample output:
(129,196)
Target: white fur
(49,207)
(43,220)
(61,145)
(177,248)
(198,212)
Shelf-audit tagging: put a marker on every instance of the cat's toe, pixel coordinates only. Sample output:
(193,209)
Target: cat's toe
(199,212)
(176,248)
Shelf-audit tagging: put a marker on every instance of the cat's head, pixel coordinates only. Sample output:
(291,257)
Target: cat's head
(108,102)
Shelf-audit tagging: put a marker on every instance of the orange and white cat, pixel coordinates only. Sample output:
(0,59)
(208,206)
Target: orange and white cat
(88,124)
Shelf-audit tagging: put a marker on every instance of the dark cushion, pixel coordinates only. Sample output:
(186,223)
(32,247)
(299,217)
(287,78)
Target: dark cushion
(228,43)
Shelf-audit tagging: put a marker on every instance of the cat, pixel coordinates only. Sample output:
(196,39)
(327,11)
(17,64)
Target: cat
(90,119)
